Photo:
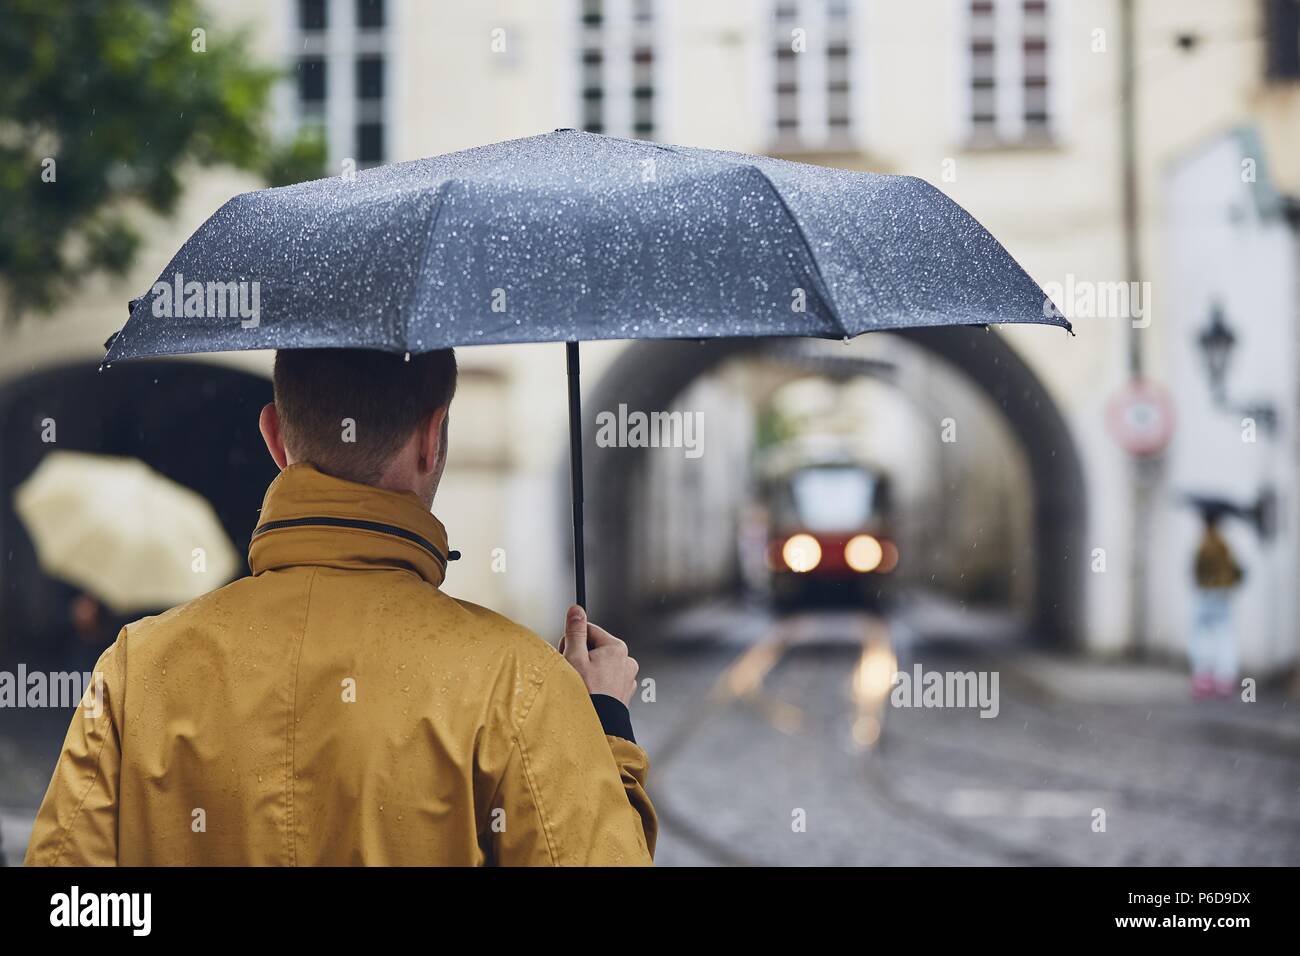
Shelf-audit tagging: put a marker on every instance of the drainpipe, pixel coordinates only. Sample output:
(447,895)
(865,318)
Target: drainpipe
(1129,171)
(1144,471)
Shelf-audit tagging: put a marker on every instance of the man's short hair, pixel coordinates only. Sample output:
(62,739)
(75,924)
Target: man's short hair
(386,395)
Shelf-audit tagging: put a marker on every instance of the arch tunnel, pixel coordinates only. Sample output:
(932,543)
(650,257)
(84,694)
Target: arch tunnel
(193,422)
(652,375)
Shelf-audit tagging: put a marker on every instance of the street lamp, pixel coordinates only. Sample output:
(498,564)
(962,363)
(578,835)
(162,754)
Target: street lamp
(1217,341)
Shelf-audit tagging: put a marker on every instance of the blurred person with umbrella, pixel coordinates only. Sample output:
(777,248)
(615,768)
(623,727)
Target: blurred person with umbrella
(1212,648)
(129,538)
(363,685)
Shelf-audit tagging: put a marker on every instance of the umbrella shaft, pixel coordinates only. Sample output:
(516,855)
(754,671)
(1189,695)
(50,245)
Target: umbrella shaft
(575,470)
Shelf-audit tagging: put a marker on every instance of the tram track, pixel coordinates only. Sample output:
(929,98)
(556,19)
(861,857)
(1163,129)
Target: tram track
(743,683)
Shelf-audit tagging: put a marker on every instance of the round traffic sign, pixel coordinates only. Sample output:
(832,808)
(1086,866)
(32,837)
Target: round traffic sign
(1141,418)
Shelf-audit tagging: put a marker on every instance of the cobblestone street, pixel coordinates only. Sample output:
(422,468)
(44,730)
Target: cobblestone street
(755,721)
(1181,782)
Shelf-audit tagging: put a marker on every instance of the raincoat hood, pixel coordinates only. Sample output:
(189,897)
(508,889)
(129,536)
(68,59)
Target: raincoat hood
(311,518)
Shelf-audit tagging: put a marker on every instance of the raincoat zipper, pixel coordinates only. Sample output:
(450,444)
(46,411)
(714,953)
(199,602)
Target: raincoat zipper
(360,525)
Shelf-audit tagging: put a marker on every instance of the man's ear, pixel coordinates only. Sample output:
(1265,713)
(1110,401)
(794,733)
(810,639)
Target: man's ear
(269,423)
(430,445)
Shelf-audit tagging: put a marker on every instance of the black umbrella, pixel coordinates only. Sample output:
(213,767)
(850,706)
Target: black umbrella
(570,236)
(1261,514)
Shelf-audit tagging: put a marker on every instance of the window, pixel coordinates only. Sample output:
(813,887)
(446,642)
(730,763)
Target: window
(311,83)
(370,77)
(812,82)
(370,14)
(831,498)
(983,66)
(1010,64)
(311,15)
(342,76)
(1034,69)
(369,109)
(1282,18)
(617,67)
(370,143)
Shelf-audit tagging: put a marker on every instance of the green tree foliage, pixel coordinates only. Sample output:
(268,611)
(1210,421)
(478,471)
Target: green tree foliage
(105,102)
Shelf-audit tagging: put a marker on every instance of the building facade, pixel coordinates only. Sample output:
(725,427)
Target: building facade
(1012,107)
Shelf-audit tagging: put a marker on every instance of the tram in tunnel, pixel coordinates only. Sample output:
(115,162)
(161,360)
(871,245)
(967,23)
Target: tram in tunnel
(831,534)
(844,443)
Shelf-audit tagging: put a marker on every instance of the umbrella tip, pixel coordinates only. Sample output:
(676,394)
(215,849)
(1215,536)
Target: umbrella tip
(108,342)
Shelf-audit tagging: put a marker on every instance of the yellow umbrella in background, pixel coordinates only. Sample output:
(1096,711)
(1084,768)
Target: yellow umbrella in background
(128,535)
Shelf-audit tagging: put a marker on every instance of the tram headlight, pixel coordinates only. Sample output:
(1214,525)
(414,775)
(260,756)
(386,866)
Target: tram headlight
(801,553)
(863,553)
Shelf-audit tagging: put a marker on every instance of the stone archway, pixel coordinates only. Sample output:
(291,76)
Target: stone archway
(651,374)
(195,422)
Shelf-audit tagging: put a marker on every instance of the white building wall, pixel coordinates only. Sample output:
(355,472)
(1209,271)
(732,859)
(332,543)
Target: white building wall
(1229,243)
(1056,208)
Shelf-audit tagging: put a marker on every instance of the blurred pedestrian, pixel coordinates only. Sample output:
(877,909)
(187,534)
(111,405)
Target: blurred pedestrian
(90,631)
(336,707)
(1213,645)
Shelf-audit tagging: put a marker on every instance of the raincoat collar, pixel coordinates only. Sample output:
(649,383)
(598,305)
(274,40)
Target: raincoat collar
(310,518)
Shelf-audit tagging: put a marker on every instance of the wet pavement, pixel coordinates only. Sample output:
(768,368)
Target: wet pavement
(1083,764)
(774,741)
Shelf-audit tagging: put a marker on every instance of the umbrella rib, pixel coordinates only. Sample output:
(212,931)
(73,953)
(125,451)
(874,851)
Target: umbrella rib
(648,144)
(441,192)
(823,287)
(418,289)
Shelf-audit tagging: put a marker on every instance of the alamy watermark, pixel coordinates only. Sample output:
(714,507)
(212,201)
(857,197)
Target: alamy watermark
(210,300)
(57,689)
(1086,299)
(946,689)
(624,429)
(133,911)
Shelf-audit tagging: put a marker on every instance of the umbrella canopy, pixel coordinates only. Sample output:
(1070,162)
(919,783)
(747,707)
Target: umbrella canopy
(126,534)
(570,236)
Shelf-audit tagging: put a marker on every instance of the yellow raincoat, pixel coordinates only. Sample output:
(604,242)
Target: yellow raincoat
(337,708)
